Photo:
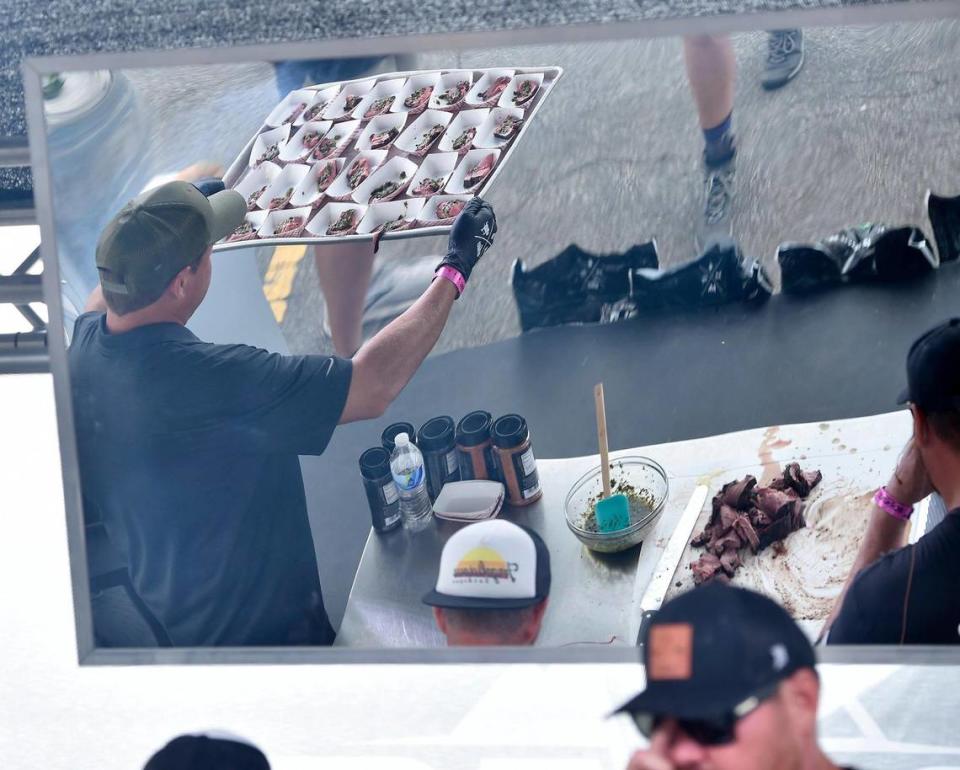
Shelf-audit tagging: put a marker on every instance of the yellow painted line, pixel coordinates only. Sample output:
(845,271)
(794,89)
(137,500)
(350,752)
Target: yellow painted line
(278,282)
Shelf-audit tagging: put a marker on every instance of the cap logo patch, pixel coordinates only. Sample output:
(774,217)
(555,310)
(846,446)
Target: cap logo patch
(779,656)
(670,651)
(483,564)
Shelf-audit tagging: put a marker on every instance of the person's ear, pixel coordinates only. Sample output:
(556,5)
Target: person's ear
(532,629)
(801,696)
(921,426)
(179,284)
(441,618)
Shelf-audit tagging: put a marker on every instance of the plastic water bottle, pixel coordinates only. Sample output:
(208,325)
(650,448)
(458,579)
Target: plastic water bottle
(406,465)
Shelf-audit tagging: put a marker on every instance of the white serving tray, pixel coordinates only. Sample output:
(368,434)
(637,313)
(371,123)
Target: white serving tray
(421,228)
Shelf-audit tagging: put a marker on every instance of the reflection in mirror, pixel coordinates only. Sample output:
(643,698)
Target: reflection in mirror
(668,186)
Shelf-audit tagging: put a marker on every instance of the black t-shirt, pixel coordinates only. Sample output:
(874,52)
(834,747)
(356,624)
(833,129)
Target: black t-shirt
(188,454)
(873,611)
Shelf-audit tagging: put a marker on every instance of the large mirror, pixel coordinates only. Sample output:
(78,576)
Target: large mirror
(738,235)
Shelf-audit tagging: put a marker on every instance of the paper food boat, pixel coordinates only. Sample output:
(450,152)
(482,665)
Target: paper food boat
(417,130)
(447,81)
(507,97)
(329,214)
(486,137)
(376,99)
(395,170)
(475,500)
(378,214)
(339,109)
(340,189)
(275,220)
(458,184)
(267,146)
(257,180)
(340,134)
(437,166)
(291,108)
(308,192)
(430,214)
(318,104)
(379,125)
(414,84)
(281,189)
(484,84)
(465,120)
(254,221)
(296,149)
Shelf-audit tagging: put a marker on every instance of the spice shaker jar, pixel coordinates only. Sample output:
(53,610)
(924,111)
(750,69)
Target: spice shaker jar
(389,435)
(475,454)
(378,483)
(435,440)
(515,460)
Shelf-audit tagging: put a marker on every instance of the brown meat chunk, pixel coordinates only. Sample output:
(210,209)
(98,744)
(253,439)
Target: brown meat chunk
(730,560)
(725,542)
(705,568)
(747,533)
(737,494)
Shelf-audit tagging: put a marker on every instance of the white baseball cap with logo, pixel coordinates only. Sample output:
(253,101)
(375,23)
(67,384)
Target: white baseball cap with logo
(492,565)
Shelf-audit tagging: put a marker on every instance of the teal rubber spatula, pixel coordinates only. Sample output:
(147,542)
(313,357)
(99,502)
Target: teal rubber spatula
(612,511)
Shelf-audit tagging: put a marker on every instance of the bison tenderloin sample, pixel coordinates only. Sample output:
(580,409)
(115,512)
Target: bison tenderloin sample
(724,543)
(705,568)
(772,501)
(737,494)
(801,482)
(730,560)
(747,533)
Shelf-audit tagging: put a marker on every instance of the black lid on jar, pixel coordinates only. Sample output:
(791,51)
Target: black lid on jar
(474,428)
(389,436)
(435,434)
(375,463)
(510,431)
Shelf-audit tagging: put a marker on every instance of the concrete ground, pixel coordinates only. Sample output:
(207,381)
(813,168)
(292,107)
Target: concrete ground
(612,159)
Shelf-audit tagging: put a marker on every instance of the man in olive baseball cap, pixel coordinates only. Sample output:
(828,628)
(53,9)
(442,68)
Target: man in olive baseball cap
(189,451)
(731,685)
(158,234)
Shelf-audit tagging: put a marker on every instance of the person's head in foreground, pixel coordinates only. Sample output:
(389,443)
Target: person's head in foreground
(154,256)
(731,684)
(208,752)
(933,393)
(492,586)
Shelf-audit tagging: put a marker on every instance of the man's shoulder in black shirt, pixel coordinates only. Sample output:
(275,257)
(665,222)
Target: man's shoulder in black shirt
(909,596)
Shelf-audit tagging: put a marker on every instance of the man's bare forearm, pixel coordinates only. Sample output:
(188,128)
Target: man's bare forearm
(398,350)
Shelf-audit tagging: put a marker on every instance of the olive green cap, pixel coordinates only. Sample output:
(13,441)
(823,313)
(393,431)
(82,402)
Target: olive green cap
(160,232)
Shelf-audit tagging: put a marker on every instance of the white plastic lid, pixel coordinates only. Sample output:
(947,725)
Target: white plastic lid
(401,440)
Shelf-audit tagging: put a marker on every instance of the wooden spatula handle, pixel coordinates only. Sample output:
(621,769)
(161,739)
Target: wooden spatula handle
(602,437)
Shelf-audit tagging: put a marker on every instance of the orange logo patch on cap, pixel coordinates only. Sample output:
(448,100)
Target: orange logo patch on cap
(670,654)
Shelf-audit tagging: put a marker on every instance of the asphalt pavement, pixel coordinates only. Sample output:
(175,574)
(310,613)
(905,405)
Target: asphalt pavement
(613,157)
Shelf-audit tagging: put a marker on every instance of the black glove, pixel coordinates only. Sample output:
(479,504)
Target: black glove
(470,236)
(209,185)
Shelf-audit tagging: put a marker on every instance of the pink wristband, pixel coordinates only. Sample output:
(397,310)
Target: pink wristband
(454,276)
(887,502)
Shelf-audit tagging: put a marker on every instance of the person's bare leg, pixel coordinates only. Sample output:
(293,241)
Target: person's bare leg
(711,70)
(344,271)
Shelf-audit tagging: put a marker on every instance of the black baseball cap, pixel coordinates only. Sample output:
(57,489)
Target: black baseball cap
(204,752)
(160,232)
(711,651)
(933,369)
(492,565)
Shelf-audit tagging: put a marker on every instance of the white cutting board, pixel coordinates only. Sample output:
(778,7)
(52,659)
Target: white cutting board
(855,456)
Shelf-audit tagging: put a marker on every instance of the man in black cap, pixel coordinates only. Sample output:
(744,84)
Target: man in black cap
(910,596)
(208,752)
(731,685)
(188,451)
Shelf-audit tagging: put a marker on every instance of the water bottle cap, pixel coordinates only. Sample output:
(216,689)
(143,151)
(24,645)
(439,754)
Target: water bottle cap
(401,440)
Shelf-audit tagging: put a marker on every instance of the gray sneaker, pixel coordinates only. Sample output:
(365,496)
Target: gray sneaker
(784,57)
(717,219)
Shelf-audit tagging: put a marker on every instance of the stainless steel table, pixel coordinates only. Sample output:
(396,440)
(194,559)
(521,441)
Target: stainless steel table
(590,597)
(593,596)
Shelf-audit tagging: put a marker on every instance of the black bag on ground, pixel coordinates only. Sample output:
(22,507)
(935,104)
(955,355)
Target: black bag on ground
(944,216)
(867,253)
